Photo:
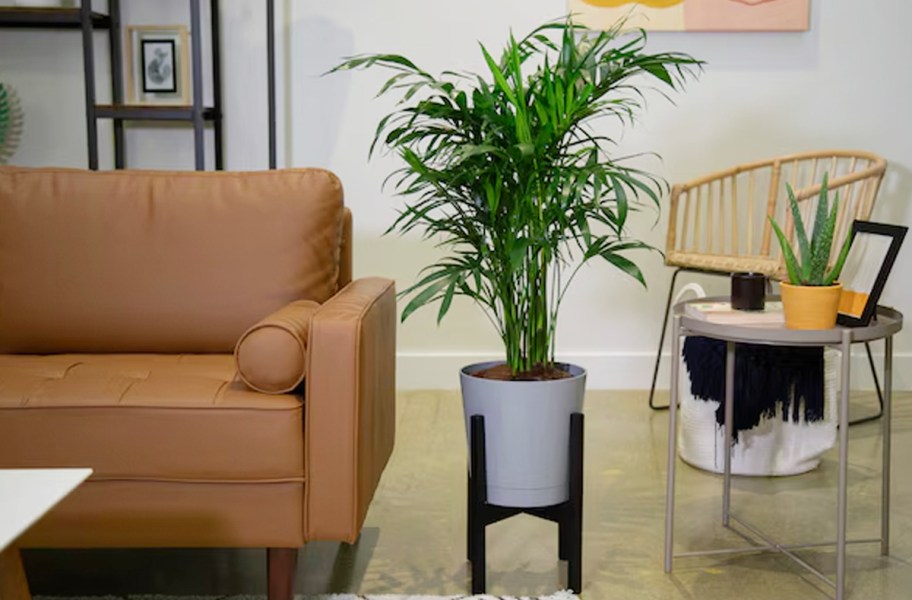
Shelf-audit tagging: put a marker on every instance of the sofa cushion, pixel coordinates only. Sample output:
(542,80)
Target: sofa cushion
(272,355)
(146,417)
(168,262)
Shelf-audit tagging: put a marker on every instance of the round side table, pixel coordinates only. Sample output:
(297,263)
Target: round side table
(886,323)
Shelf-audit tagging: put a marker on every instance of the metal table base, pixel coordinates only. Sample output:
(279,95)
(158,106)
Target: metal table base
(888,323)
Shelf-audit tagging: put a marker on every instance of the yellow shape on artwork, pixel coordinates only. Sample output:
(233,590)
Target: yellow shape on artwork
(649,3)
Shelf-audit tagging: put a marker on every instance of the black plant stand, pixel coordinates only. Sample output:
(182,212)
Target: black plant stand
(568,515)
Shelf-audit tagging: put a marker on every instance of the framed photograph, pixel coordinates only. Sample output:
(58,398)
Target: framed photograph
(871,256)
(158,69)
(158,65)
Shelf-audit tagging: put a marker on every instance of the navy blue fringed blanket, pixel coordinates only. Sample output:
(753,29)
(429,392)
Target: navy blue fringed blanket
(766,378)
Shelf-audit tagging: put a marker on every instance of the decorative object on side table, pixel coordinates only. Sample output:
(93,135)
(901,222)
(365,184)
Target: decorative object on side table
(875,247)
(158,70)
(810,298)
(748,291)
(719,311)
(505,171)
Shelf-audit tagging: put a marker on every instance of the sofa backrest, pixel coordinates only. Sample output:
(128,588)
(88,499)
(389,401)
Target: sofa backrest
(146,261)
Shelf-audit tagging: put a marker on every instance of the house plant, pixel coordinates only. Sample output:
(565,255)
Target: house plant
(10,122)
(508,172)
(810,297)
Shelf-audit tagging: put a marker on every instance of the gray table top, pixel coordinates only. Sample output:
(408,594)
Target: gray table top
(885,323)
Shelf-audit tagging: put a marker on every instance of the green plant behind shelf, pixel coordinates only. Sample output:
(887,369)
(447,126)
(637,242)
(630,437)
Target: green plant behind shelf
(10,122)
(506,171)
(811,269)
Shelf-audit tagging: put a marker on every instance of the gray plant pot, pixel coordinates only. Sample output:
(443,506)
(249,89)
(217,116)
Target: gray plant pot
(527,434)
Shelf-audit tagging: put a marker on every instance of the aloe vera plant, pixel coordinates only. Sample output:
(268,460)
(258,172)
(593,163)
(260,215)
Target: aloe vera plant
(507,170)
(815,249)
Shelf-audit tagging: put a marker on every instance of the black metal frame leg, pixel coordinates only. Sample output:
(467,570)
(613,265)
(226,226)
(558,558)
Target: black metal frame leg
(568,515)
(658,361)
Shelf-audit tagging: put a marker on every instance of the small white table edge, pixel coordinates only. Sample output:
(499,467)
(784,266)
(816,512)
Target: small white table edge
(26,495)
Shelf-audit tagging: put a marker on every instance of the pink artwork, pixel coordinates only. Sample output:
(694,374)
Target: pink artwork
(695,15)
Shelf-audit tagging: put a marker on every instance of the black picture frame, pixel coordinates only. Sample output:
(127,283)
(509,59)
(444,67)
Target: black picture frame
(164,51)
(862,278)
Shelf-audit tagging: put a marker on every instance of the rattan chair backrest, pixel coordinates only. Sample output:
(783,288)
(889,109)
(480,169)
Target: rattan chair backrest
(720,222)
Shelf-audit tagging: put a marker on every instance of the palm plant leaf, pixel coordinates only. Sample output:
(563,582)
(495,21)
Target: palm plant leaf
(506,171)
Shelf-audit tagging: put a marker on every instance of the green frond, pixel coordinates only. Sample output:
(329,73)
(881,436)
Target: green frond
(502,170)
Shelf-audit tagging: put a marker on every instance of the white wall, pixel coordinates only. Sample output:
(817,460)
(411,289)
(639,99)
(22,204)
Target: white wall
(843,84)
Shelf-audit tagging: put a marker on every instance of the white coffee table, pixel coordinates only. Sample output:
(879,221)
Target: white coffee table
(25,496)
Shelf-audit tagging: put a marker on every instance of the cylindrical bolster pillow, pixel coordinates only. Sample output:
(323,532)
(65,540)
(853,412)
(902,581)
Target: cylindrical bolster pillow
(271,356)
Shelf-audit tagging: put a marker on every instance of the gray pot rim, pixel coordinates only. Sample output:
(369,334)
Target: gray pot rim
(576,372)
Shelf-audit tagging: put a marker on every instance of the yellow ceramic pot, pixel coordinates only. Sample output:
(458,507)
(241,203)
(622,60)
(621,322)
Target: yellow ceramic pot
(809,306)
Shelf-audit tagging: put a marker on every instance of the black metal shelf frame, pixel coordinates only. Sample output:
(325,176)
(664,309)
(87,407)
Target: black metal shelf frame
(49,18)
(135,112)
(196,113)
(88,21)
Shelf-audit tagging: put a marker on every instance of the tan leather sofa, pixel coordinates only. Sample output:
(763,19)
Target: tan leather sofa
(123,297)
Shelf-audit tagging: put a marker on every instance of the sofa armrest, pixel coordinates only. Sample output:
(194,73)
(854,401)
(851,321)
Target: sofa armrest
(349,405)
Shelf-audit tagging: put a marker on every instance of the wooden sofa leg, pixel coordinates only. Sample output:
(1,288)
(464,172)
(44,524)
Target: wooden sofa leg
(280,570)
(13,584)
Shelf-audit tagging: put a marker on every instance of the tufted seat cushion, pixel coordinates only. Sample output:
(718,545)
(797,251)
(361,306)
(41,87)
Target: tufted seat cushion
(151,417)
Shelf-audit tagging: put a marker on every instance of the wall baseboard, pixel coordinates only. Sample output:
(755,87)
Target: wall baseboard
(612,371)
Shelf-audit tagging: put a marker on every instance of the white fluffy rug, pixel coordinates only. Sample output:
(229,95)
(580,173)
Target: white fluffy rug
(562,595)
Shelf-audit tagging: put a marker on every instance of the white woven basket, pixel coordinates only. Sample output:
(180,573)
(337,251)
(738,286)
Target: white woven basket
(775,447)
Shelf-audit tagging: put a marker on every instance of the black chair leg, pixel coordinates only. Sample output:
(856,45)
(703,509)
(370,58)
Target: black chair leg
(655,372)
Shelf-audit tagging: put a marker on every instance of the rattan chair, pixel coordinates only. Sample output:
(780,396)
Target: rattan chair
(718,223)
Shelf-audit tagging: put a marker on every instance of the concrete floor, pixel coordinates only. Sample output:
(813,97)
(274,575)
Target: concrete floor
(413,541)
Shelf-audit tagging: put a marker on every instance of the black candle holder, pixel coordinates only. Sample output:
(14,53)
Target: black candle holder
(568,515)
(748,291)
